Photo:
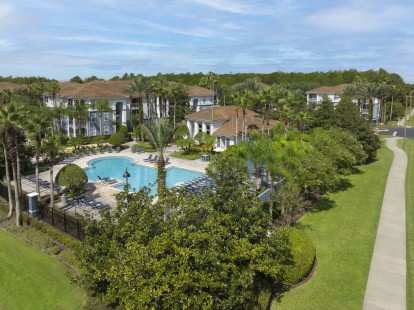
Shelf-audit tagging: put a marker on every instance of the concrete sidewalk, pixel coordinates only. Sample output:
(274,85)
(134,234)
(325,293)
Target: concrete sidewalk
(386,287)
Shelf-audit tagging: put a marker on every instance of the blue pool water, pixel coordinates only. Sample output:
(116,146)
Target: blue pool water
(114,167)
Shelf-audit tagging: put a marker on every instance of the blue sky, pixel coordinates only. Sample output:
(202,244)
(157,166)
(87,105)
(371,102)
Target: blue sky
(60,39)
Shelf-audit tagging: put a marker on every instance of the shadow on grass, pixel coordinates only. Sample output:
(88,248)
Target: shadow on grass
(324,204)
(343,185)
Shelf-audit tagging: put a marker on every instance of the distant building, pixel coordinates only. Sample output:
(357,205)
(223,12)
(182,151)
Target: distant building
(226,123)
(123,105)
(334,93)
(11,86)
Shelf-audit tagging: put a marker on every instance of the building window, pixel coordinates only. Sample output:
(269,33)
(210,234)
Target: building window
(312,97)
(70,102)
(200,127)
(106,130)
(208,129)
(93,117)
(106,116)
(46,99)
(93,131)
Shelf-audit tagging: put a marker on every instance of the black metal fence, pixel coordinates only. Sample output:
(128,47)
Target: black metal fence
(57,218)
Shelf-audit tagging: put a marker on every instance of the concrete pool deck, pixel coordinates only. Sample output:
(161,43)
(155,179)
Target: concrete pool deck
(104,192)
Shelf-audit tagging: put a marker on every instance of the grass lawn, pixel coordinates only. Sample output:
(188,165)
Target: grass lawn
(409,213)
(343,229)
(180,154)
(30,279)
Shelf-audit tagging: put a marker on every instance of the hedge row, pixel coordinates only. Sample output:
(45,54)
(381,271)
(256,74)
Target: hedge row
(55,233)
(303,255)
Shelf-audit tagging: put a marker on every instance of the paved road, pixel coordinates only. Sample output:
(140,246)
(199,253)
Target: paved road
(386,287)
(399,132)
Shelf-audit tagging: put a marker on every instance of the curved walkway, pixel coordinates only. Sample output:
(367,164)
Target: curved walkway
(386,287)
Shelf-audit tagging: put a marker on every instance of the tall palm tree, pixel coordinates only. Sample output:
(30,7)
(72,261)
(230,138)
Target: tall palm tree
(53,88)
(136,88)
(149,92)
(266,97)
(101,106)
(35,92)
(37,124)
(176,91)
(79,112)
(244,98)
(12,117)
(368,91)
(210,80)
(161,90)
(160,132)
(51,148)
(3,142)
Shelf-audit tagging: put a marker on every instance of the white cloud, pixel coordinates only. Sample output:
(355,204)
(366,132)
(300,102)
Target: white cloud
(193,31)
(248,8)
(357,19)
(105,40)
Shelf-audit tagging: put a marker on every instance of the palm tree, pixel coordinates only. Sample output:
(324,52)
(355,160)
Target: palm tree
(160,132)
(161,90)
(54,88)
(37,124)
(3,142)
(51,148)
(175,91)
(137,87)
(12,117)
(245,99)
(101,106)
(79,111)
(368,91)
(266,97)
(209,81)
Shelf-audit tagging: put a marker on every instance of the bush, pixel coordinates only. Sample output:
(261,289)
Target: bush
(54,233)
(303,255)
(122,129)
(117,139)
(183,155)
(73,177)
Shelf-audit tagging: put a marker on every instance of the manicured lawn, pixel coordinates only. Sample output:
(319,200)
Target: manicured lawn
(30,279)
(344,230)
(409,218)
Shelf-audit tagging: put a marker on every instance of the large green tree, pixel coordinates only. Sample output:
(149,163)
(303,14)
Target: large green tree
(212,252)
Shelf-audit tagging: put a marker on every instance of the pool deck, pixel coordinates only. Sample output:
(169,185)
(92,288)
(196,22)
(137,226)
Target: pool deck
(104,192)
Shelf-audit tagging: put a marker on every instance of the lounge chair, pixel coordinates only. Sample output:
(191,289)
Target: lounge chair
(101,150)
(148,158)
(111,181)
(118,149)
(134,149)
(154,159)
(141,150)
(167,161)
(109,149)
(93,152)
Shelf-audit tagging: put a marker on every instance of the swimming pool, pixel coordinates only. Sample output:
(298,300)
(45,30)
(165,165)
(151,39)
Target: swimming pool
(114,167)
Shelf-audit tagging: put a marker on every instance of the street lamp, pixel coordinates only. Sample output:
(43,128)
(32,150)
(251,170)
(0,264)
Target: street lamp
(126,176)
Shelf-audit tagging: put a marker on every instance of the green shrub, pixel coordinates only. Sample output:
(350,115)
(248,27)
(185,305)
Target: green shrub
(56,234)
(73,177)
(303,255)
(122,129)
(192,156)
(117,139)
